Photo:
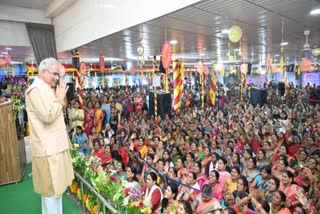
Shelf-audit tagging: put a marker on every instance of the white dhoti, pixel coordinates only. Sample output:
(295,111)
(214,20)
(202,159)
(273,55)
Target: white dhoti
(51,205)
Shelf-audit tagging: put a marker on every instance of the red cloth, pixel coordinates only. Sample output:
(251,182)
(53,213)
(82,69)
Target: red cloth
(106,159)
(255,145)
(99,154)
(293,149)
(125,158)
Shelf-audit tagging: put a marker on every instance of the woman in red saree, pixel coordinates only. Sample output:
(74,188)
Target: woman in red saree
(89,118)
(107,157)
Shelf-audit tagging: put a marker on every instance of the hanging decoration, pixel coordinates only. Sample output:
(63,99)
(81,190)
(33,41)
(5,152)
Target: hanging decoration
(306,65)
(102,67)
(235,33)
(213,88)
(81,83)
(176,85)
(281,49)
(200,67)
(243,78)
(166,53)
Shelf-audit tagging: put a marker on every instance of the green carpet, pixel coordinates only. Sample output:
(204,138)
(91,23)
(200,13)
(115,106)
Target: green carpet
(20,198)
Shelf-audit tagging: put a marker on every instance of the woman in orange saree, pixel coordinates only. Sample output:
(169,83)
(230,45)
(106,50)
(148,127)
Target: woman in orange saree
(98,117)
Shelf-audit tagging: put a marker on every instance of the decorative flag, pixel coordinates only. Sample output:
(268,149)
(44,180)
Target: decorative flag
(102,67)
(281,63)
(176,85)
(182,73)
(213,87)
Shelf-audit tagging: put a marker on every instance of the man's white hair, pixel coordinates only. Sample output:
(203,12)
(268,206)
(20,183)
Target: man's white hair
(47,63)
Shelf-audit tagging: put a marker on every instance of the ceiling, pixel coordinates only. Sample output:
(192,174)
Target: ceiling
(198,31)
(34,4)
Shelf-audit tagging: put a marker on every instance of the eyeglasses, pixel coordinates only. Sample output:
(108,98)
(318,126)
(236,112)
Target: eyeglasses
(54,74)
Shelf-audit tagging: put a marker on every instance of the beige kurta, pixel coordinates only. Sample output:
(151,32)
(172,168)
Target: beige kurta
(52,168)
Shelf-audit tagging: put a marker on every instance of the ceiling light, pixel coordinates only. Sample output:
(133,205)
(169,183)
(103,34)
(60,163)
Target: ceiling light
(4,52)
(225,31)
(315,12)
(283,43)
(201,54)
(173,42)
(1,55)
(276,55)
(9,49)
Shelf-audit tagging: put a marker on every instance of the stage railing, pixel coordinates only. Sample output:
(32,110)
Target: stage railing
(105,203)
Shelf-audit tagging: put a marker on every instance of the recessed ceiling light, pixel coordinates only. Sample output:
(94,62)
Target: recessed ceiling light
(173,42)
(276,55)
(9,49)
(315,12)
(283,43)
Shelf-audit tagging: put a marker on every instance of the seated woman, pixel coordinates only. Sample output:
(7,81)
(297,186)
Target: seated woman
(201,177)
(107,157)
(273,186)
(132,181)
(153,193)
(277,205)
(81,139)
(289,188)
(261,181)
(251,172)
(97,151)
(205,203)
(186,193)
(185,208)
(231,183)
(217,188)
(169,203)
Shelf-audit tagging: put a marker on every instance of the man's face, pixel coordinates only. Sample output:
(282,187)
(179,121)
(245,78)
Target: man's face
(51,76)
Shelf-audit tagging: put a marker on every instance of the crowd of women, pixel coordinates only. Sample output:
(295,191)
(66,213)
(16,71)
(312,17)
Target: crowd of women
(237,158)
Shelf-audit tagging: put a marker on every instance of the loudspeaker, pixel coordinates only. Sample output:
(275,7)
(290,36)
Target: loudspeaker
(71,91)
(258,96)
(281,88)
(291,68)
(249,68)
(278,86)
(76,62)
(164,103)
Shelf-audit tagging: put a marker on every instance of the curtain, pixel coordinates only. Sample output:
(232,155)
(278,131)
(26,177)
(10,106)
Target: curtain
(42,40)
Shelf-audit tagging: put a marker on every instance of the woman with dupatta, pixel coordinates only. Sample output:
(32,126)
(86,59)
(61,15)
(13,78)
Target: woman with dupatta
(153,193)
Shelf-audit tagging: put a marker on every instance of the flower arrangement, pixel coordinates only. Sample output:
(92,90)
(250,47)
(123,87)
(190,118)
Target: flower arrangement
(128,201)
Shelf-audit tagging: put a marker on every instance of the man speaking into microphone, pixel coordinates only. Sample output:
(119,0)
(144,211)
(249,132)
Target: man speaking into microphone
(52,168)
